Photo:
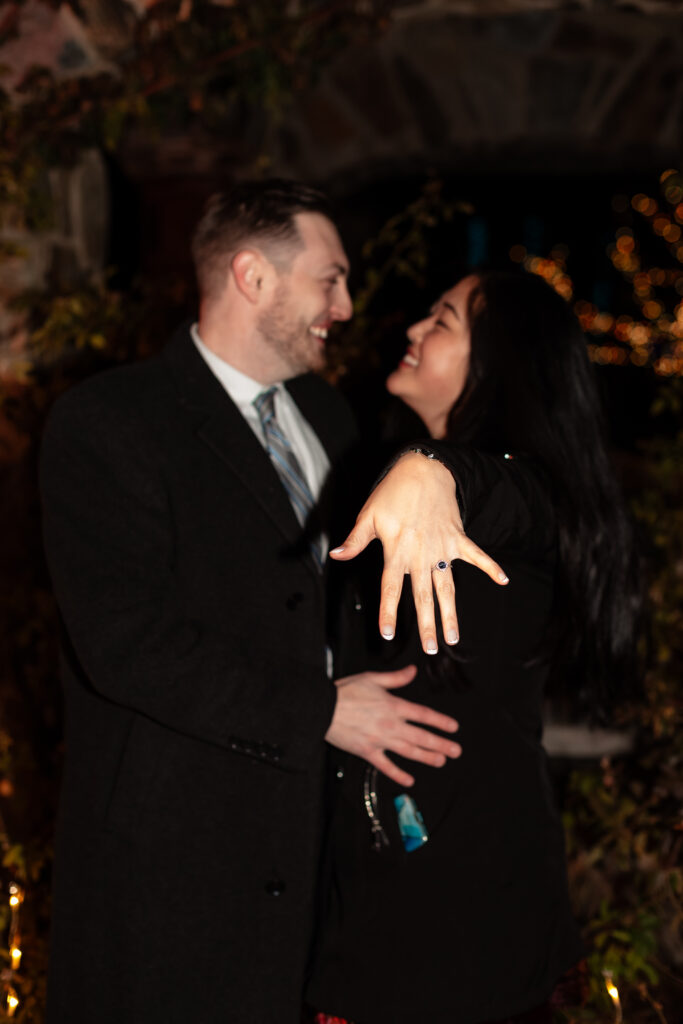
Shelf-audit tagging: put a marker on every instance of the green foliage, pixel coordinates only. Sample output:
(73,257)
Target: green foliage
(623,820)
(171,70)
(87,318)
(402,246)
(400,250)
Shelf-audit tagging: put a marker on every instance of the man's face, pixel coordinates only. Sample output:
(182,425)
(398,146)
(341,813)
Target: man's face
(309,296)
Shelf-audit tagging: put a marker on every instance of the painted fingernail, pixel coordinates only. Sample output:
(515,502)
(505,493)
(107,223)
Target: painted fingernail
(431,647)
(337,551)
(452,636)
(503,578)
(387,632)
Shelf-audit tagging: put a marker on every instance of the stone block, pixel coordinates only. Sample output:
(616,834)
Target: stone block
(368,88)
(423,98)
(556,89)
(324,121)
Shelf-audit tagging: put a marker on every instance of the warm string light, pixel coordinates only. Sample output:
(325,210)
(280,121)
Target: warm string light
(12,1002)
(656,338)
(613,993)
(551,269)
(16,898)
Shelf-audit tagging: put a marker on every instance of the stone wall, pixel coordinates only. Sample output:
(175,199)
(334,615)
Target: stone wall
(560,89)
(567,89)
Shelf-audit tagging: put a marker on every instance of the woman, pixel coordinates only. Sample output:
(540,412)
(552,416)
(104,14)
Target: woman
(453,907)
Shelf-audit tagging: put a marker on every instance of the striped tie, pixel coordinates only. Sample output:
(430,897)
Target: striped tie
(287,466)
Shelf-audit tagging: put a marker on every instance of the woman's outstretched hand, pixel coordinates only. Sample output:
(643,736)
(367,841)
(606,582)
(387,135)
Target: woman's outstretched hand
(413,511)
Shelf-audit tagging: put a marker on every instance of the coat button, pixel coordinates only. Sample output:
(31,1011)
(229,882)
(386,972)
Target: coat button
(294,600)
(275,887)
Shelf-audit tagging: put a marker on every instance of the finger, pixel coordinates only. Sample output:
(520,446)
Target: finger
(414,752)
(359,538)
(470,552)
(422,715)
(390,595)
(399,677)
(423,596)
(391,770)
(445,593)
(427,740)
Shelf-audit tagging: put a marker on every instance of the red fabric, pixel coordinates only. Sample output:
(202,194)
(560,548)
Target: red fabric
(540,1015)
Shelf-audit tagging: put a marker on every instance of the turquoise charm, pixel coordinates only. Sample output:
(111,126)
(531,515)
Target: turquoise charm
(410,823)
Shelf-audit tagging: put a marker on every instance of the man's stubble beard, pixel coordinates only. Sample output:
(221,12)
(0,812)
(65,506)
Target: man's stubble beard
(289,335)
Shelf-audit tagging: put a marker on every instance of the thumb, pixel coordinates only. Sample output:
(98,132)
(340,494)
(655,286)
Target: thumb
(400,677)
(357,541)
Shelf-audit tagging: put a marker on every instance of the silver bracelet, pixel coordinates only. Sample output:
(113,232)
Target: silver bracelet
(423,451)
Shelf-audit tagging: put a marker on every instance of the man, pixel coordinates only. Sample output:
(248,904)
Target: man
(186,545)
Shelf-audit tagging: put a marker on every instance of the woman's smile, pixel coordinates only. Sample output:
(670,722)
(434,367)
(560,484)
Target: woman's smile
(409,359)
(432,372)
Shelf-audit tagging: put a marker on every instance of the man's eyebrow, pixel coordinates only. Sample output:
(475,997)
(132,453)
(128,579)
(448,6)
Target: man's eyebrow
(338,267)
(452,308)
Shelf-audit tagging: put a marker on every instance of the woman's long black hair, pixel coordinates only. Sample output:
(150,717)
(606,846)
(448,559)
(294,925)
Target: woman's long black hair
(530,390)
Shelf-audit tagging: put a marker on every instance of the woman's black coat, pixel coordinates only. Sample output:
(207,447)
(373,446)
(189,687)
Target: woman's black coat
(475,925)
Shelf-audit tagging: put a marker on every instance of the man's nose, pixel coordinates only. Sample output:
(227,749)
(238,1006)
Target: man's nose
(342,308)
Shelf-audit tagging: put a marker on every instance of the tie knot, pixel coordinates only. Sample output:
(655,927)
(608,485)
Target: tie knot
(265,404)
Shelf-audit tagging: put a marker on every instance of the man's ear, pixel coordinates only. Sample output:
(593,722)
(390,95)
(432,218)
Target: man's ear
(250,271)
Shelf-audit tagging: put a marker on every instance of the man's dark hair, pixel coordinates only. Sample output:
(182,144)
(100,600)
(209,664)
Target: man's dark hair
(252,213)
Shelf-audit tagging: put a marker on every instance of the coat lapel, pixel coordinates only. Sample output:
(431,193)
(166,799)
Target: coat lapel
(216,420)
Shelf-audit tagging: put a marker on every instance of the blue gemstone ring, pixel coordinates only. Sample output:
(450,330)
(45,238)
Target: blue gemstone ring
(441,566)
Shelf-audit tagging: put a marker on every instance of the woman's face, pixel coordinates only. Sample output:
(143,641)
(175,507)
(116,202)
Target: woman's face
(432,373)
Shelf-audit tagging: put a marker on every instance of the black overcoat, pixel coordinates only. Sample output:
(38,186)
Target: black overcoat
(196,701)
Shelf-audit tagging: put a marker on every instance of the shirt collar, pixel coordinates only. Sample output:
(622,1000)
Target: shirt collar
(242,389)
